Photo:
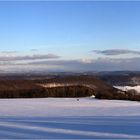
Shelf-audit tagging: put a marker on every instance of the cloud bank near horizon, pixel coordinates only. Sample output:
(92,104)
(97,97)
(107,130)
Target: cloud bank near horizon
(8,57)
(12,61)
(100,64)
(113,52)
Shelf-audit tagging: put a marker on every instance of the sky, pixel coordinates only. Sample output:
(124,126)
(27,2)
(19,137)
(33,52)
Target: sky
(69,36)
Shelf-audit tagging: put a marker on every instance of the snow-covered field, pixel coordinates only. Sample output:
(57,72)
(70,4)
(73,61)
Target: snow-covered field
(68,118)
(126,88)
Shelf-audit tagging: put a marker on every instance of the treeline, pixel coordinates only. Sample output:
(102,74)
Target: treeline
(131,95)
(69,91)
(33,89)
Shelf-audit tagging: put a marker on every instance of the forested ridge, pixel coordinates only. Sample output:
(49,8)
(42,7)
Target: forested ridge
(71,86)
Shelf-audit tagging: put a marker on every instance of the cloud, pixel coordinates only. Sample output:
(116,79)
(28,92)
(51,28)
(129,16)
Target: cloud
(101,64)
(29,57)
(116,52)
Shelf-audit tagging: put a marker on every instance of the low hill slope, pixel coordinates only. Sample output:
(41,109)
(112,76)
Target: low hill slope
(62,86)
(68,86)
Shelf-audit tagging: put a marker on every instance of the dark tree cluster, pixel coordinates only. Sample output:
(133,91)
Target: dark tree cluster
(31,89)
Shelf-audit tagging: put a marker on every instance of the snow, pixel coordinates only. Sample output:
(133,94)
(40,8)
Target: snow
(69,118)
(126,88)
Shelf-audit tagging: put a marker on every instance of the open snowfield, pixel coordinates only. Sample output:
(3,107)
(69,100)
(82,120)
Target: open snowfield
(68,118)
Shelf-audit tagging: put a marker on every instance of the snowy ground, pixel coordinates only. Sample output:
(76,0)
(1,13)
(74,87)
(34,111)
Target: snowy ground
(126,88)
(69,118)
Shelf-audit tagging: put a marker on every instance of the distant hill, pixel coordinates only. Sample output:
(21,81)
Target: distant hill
(61,86)
(122,79)
(77,86)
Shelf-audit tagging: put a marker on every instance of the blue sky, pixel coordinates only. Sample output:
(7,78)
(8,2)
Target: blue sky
(69,31)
